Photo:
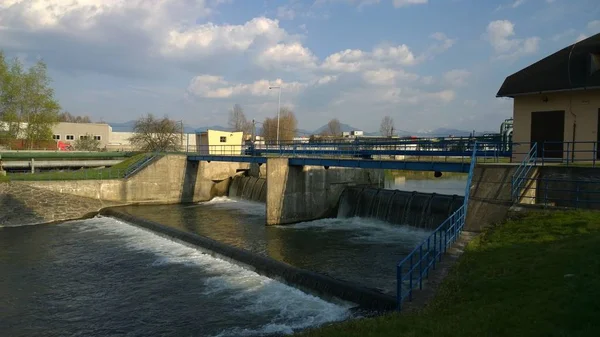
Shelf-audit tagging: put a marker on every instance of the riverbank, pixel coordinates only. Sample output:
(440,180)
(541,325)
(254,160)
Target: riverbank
(538,275)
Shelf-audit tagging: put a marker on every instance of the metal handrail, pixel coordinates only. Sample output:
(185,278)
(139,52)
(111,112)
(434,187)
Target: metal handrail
(522,172)
(430,251)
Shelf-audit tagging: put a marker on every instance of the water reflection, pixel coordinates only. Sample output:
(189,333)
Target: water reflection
(422,181)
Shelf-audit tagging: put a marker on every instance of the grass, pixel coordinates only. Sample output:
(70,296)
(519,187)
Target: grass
(115,172)
(538,275)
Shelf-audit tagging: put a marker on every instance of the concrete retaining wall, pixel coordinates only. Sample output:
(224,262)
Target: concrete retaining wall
(490,198)
(25,205)
(304,193)
(169,179)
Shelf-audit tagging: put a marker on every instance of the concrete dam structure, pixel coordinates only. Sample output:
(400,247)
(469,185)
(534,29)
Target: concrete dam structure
(423,210)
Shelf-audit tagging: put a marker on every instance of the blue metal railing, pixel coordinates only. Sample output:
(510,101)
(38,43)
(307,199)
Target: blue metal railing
(522,173)
(140,164)
(449,149)
(415,267)
(564,192)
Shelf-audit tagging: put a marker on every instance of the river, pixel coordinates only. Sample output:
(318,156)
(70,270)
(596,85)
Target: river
(101,276)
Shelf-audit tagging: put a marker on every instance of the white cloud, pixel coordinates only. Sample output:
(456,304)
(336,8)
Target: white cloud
(470,103)
(209,86)
(286,13)
(388,77)
(594,26)
(404,3)
(353,60)
(287,56)
(210,38)
(581,37)
(501,33)
(457,77)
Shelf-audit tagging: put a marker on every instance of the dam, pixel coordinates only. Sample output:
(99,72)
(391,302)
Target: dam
(363,230)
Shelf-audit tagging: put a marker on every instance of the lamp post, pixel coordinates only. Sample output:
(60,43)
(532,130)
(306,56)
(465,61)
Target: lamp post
(278,109)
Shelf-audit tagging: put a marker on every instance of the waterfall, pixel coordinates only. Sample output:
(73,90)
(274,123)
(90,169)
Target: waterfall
(248,188)
(425,210)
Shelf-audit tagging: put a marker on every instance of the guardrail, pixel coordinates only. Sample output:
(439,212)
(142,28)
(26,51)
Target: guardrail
(415,267)
(557,192)
(489,151)
(84,174)
(522,172)
(579,153)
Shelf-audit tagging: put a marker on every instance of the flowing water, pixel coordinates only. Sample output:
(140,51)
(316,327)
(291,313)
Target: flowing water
(102,277)
(362,251)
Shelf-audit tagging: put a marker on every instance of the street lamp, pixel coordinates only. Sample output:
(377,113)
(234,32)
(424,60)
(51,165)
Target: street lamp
(278,109)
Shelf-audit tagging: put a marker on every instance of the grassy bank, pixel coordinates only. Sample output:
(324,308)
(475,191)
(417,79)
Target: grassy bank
(534,276)
(115,172)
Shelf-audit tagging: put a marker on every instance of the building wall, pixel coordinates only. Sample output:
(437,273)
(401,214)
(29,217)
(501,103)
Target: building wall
(81,129)
(119,141)
(579,106)
(221,142)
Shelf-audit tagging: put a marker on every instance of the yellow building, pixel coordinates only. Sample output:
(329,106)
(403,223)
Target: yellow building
(220,142)
(557,104)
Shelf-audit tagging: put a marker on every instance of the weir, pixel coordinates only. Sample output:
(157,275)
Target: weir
(422,210)
(248,188)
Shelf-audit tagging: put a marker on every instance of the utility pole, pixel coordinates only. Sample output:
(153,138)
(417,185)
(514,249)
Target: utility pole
(278,109)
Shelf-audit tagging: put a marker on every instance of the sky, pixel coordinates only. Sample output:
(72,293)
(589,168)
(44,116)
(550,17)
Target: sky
(426,63)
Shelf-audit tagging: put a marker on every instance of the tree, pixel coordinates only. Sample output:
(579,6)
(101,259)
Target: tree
(27,106)
(387,126)
(67,117)
(87,143)
(153,134)
(287,127)
(334,128)
(238,121)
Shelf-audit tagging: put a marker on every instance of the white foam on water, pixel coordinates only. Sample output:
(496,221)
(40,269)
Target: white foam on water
(289,309)
(368,230)
(243,206)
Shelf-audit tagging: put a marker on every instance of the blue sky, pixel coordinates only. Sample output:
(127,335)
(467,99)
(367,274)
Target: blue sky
(426,63)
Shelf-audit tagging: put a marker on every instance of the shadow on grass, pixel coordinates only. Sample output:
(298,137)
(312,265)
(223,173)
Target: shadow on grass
(534,276)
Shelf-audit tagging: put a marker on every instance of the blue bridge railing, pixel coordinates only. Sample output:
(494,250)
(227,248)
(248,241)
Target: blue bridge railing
(415,267)
(522,173)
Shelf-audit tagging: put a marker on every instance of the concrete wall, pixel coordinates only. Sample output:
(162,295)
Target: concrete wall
(490,196)
(303,193)
(169,179)
(584,106)
(26,205)
(568,187)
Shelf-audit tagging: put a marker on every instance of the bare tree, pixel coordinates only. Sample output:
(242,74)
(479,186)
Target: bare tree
(87,143)
(387,126)
(69,118)
(287,127)
(153,134)
(238,121)
(334,128)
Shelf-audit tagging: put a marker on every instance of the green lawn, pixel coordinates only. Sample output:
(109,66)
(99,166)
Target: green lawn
(534,276)
(115,172)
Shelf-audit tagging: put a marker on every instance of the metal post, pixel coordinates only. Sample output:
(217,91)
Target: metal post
(278,113)
(32,164)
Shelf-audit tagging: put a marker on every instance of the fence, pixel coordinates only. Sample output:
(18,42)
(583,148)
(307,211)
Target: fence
(415,267)
(562,192)
(522,173)
(449,150)
(584,153)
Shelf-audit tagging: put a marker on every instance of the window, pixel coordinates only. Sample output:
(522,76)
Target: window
(70,137)
(56,137)
(223,139)
(97,137)
(83,137)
